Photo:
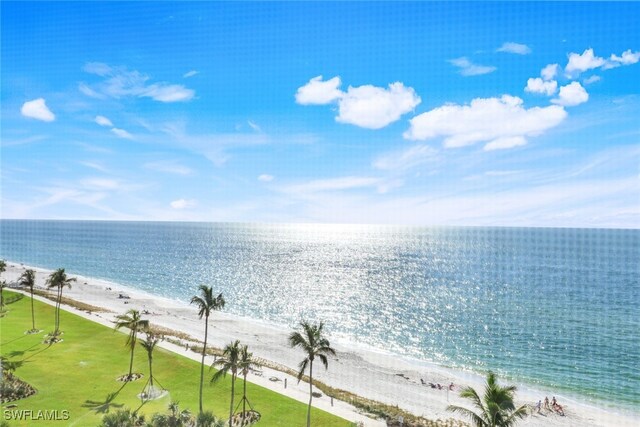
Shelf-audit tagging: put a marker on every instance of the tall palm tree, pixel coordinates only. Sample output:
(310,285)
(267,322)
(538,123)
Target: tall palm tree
(206,303)
(149,345)
(58,279)
(245,364)
(229,362)
(3,284)
(495,408)
(132,321)
(28,280)
(313,342)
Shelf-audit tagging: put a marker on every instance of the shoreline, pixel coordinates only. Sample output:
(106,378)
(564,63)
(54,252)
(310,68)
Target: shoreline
(362,370)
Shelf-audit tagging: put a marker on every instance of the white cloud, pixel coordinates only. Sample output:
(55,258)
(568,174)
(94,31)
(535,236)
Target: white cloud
(467,68)
(571,95)
(169,167)
(374,107)
(627,58)
(319,92)
(517,48)
(254,126)
(591,79)
(182,204)
(549,72)
(579,63)
(190,74)
(505,142)
(37,109)
(168,93)
(331,184)
(538,85)
(366,106)
(90,92)
(100,184)
(121,133)
(265,178)
(488,120)
(103,121)
(406,159)
(120,82)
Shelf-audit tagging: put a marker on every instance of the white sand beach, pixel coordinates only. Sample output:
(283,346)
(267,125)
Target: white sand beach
(375,375)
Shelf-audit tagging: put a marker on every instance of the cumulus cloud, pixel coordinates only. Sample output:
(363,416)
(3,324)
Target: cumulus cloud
(121,133)
(538,85)
(182,204)
(319,92)
(121,82)
(103,121)
(579,63)
(500,122)
(366,106)
(571,95)
(37,109)
(517,48)
(265,178)
(190,74)
(375,107)
(549,72)
(467,68)
(627,58)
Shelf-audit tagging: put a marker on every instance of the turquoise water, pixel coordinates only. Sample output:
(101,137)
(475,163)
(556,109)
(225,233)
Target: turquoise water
(557,308)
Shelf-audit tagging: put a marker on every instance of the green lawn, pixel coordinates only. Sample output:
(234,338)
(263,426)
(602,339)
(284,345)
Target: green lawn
(79,374)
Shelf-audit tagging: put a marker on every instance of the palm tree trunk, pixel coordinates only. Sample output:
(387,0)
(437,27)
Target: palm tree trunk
(233,383)
(133,347)
(204,352)
(58,309)
(150,371)
(310,393)
(244,398)
(33,319)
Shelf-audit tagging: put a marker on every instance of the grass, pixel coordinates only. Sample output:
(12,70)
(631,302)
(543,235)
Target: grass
(79,374)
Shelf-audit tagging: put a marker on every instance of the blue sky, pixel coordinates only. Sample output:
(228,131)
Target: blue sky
(521,114)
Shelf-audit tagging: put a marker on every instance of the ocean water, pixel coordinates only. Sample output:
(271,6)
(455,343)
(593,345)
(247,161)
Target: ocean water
(554,308)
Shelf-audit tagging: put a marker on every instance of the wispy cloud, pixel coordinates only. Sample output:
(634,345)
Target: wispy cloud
(190,74)
(406,159)
(121,82)
(365,106)
(517,48)
(182,204)
(37,109)
(103,121)
(467,68)
(171,167)
(331,184)
(121,133)
(265,178)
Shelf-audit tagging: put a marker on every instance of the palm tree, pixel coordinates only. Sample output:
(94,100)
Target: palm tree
(28,280)
(245,364)
(229,362)
(314,344)
(58,279)
(3,284)
(496,407)
(131,320)
(149,345)
(206,303)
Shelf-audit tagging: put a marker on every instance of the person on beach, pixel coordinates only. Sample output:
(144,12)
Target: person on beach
(553,402)
(546,402)
(539,406)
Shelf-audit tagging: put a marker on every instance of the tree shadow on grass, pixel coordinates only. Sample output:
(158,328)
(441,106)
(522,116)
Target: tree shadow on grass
(103,407)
